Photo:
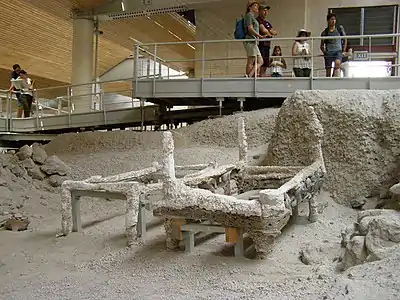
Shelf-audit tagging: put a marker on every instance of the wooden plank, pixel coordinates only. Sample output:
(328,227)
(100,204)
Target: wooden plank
(231,235)
(177,223)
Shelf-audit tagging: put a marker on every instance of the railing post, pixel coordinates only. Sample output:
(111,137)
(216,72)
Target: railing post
(255,72)
(1,106)
(101,96)
(135,69)
(312,64)
(397,68)
(69,105)
(103,105)
(203,52)
(154,69)
(9,95)
(59,105)
(369,48)
(36,98)
(141,114)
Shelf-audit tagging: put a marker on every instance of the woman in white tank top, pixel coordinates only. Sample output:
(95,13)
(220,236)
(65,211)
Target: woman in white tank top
(301,51)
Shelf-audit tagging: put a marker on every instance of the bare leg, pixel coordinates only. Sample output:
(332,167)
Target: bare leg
(328,72)
(250,65)
(256,67)
(19,112)
(336,73)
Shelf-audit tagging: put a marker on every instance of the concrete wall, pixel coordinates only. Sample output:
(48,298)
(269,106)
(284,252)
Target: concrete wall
(287,16)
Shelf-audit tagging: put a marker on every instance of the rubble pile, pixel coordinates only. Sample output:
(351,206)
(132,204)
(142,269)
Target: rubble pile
(30,166)
(375,236)
(21,172)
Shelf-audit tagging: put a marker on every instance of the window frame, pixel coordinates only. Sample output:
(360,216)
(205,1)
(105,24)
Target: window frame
(396,16)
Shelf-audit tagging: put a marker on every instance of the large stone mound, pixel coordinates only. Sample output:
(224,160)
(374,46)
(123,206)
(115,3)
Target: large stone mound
(361,144)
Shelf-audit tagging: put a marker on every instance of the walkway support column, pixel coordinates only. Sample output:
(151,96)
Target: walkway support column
(82,64)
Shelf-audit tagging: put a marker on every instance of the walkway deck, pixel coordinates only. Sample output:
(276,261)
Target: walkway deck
(173,89)
(191,92)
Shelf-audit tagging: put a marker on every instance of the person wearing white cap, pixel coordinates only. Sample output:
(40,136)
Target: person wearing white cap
(301,52)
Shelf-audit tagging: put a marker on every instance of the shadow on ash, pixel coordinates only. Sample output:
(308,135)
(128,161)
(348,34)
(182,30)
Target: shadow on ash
(237,199)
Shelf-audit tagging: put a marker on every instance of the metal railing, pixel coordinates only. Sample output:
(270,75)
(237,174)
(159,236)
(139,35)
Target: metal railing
(214,58)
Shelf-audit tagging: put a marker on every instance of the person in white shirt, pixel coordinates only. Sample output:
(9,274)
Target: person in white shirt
(27,93)
(301,51)
(277,63)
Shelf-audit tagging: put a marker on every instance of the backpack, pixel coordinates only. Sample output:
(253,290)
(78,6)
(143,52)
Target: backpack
(240,30)
(339,28)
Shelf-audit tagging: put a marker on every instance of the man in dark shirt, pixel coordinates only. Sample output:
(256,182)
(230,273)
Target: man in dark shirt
(265,29)
(14,75)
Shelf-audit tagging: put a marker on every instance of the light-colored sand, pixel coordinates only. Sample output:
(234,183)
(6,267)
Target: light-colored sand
(96,264)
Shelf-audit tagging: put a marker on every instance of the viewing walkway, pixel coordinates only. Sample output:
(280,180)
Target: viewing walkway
(218,82)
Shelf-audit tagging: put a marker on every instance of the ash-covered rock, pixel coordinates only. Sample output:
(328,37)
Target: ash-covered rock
(375,235)
(19,170)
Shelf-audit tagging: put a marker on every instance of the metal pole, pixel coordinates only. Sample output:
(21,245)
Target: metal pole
(154,69)
(37,108)
(10,113)
(255,73)
(397,68)
(96,52)
(141,114)
(369,48)
(104,107)
(69,105)
(362,29)
(312,65)
(203,52)
(135,69)
(9,95)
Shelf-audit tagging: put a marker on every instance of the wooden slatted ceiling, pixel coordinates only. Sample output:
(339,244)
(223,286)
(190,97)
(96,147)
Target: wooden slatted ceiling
(43,40)
(43,43)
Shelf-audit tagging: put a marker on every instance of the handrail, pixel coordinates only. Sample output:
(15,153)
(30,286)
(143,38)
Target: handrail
(272,39)
(140,46)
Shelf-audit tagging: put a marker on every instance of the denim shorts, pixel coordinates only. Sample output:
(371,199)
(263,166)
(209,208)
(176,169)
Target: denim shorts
(19,100)
(331,57)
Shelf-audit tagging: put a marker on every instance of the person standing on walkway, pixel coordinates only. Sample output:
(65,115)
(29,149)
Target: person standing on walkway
(252,28)
(333,48)
(27,93)
(13,76)
(301,52)
(266,30)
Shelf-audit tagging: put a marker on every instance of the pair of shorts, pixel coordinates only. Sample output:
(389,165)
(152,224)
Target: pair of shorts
(251,49)
(331,57)
(19,100)
(264,50)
